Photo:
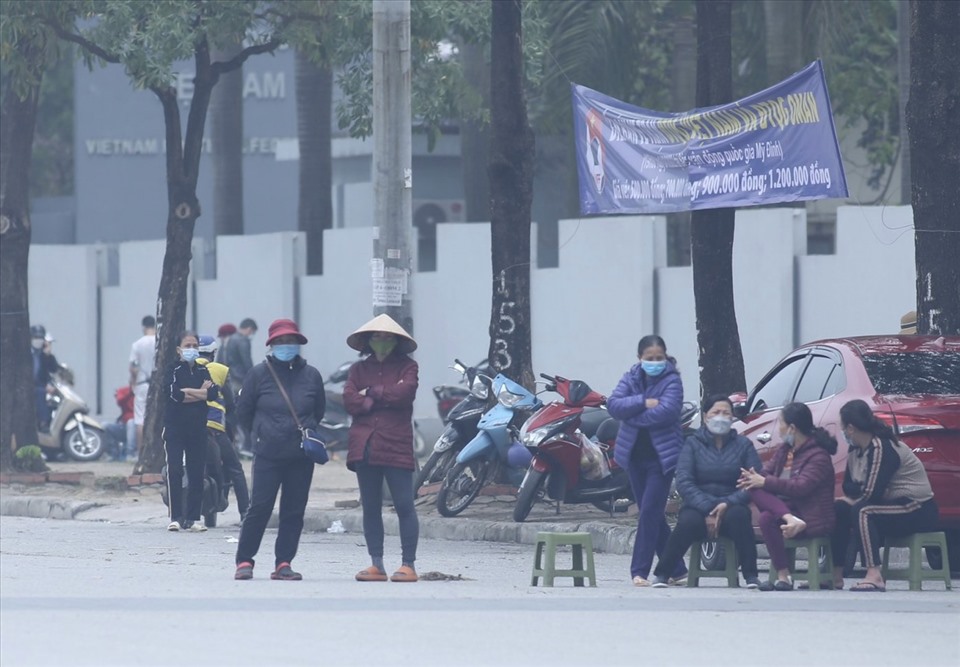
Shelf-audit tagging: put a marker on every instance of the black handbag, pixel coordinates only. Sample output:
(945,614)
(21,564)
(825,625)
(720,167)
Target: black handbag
(311,443)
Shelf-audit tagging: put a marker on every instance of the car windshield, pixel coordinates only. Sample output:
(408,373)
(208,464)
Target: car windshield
(911,373)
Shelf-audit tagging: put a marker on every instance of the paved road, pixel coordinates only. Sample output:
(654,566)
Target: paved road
(125,592)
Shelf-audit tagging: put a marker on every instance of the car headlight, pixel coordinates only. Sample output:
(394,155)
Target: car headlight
(507,398)
(479,389)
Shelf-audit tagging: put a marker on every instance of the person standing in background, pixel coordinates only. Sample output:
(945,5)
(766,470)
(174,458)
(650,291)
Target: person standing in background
(237,357)
(142,355)
(45,365)
(224,333)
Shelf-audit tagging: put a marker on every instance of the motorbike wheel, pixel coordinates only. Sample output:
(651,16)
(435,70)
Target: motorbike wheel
(420,447)
(461,485)
(712,556)
(531,490)
(79,448)
(434,470)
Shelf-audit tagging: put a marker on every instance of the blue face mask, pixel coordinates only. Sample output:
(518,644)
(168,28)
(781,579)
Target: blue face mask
(190,354)
(653,368)
(285,352)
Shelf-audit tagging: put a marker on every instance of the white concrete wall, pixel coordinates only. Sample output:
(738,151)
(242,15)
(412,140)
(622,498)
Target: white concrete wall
(610,289)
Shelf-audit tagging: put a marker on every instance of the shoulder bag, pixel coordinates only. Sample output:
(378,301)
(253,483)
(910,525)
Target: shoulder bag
(311,443)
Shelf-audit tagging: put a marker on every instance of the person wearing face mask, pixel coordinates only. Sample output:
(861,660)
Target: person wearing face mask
(886,493)
(44,366)
(794,491)
(279,463)
(379,394)
(707,474)
(188,386)
(647,401)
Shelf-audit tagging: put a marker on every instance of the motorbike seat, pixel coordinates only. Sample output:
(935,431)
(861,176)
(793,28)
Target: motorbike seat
(608,430)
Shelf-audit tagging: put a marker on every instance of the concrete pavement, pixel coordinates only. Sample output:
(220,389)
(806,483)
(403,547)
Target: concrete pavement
(124,592)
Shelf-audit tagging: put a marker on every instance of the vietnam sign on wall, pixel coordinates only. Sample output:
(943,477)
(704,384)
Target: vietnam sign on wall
(778,145)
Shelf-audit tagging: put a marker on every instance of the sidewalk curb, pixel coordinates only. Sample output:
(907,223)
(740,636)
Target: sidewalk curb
(40,507)
(606,537)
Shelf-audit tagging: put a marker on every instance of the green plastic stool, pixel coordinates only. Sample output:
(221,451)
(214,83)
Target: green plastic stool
(914,572)
(729,573)
(812,574)
(545,559)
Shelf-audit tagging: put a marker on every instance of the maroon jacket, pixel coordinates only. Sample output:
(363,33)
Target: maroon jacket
(809,490)
(382,428)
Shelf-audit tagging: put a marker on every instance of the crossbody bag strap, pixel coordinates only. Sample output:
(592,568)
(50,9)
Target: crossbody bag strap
(283,392)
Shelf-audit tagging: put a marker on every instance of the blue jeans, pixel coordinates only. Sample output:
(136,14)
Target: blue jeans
(651,488)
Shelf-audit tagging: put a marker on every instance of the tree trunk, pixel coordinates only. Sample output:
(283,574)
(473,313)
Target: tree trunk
(315,207)
(903,86)
(18,119)
(683,96)
(183,165)
(511,194)
(226,135)
(783,20)
(721,358)
(475,138)
(934,132)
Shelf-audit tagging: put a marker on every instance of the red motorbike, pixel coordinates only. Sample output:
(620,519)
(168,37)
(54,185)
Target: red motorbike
(567,466)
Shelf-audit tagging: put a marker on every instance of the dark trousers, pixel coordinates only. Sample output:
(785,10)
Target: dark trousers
(233,470)
(651,488)
(772,510)
(194,446)
(400,482)
(692,526)
(870,524)
(293,476)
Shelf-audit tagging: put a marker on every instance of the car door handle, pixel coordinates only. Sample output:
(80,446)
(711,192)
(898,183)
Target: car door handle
(764,437)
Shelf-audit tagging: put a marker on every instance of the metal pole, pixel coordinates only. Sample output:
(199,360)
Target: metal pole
(392,172)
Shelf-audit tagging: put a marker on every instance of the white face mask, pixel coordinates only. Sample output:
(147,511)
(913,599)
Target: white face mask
(37,343)
(719,425)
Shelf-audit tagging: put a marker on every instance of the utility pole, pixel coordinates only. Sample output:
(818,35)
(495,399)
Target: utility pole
(392,166)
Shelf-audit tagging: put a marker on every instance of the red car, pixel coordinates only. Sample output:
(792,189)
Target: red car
(911,382)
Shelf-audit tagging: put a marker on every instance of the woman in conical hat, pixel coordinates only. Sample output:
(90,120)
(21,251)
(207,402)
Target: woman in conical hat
(379,395)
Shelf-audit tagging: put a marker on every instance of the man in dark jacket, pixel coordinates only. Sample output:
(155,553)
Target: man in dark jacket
(279,462)
(44,367)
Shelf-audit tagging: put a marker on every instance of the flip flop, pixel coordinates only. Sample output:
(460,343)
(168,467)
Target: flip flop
(404,574)
(640,581)
(372,573)
(868,587)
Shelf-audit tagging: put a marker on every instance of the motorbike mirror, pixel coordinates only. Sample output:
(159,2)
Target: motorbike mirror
(740,409)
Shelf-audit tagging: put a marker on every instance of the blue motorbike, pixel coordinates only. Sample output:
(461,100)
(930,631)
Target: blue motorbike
(494,450)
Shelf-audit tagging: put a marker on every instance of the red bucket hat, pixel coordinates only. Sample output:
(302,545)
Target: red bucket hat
(285,328)
(226,330)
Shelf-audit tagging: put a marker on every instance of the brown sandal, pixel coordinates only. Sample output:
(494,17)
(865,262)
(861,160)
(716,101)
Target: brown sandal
(372,573)
(404,574)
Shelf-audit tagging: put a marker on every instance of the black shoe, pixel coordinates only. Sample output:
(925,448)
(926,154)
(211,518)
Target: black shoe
(285,573)
(752,582)
(777,585)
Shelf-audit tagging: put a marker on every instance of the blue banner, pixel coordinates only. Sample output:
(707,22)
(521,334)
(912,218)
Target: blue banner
(778,145)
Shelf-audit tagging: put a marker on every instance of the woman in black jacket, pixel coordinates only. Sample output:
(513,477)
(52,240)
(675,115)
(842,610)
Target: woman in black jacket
(707,475)
(278,460)
(189,387)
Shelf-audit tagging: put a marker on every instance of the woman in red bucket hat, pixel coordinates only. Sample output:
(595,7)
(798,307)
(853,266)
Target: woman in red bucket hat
(379,395)
(279,463)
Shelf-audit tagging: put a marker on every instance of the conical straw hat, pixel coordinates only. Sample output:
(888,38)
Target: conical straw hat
(386,324)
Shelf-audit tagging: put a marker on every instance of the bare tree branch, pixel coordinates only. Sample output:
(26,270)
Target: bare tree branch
(238,60)
(85,43)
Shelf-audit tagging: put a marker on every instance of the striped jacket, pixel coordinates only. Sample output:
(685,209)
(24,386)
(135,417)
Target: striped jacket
(886,472)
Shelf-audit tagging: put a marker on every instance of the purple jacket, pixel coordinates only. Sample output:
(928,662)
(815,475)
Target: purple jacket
(627,403)
(809,490)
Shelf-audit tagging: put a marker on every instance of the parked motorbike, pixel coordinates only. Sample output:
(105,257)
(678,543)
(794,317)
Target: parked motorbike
(566,464)
(450,395)
(494,452)
(461,424)
(72,430)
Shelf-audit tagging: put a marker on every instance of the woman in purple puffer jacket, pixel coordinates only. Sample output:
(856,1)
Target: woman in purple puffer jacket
(794,491)
(647,402)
